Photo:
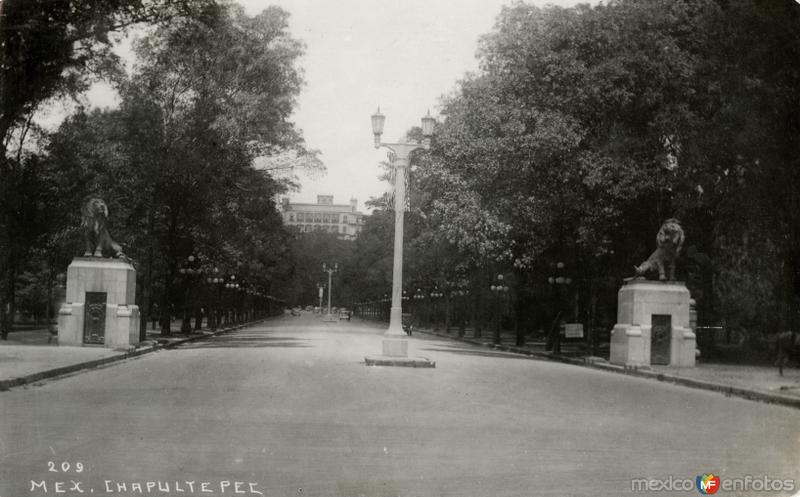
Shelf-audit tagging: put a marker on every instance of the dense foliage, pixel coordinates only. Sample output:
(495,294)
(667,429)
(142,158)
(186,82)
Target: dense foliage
(176,162)
(584,129)
(587,127)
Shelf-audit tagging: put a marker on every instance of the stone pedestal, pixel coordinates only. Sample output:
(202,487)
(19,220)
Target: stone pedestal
(653,325)
(395,351)
(100,304)
(395,347)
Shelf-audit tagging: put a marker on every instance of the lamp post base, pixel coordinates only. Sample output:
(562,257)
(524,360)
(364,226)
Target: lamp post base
(395,353)
(395,347)
(408,362)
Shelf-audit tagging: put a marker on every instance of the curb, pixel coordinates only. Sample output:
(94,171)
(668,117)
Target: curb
(727,390)
(72,368)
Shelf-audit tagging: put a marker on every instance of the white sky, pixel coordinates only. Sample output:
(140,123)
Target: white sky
(400,54)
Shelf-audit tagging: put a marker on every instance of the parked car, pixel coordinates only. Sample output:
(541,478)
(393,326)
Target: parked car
(345,314)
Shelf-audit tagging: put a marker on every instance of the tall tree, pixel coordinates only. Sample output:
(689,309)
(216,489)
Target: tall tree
(50,48)
(588,126)
(204,100)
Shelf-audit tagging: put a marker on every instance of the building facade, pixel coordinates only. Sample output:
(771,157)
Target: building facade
(343,219)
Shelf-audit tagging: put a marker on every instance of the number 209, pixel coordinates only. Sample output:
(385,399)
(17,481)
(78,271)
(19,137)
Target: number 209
(64,467)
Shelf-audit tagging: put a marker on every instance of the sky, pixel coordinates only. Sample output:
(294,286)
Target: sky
(401,55)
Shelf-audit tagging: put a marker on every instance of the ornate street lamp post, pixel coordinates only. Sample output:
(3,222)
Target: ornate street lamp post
(558,283)
(435,296)
(215,309)
(394,342)
(320,292)
(232,285)
(330,270)
(190,269)
(455,314)
(499,290)
(419,308)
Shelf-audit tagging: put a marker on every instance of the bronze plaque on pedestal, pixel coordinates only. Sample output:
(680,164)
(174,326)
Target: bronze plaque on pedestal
(660,339)
(94,318)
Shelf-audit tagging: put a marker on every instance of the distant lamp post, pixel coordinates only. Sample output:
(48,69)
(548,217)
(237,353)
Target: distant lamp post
(435,296)
(499,290)
(419,308)
(190,270)
(320,292)
(215,316)
(558,283)
(330,270)
(232,286)
(395,343)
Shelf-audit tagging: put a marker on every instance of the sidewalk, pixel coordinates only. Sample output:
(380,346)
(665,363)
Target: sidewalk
(30,355)
(751,382)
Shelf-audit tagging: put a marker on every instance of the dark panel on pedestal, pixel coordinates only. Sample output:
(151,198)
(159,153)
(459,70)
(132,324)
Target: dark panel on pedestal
(660,339)
(94,318)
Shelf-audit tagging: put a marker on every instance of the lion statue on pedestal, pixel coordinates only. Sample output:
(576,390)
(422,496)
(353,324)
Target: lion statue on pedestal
(94,217)
(669,241)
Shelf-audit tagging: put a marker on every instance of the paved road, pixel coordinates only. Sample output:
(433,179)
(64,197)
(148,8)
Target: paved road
(290,408)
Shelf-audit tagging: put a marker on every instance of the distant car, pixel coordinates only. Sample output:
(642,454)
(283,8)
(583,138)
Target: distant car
(345,314)
(309,308)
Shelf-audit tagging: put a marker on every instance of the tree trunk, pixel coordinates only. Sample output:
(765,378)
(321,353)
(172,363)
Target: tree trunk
(147,278)
(446,314)
(10,301)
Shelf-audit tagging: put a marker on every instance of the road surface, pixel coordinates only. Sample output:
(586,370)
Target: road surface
(288,408)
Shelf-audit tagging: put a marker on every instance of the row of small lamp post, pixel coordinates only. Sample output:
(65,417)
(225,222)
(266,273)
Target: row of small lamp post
(424,304)
(217,311)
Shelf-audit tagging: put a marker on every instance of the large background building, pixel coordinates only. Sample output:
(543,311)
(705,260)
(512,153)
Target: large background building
(343,219)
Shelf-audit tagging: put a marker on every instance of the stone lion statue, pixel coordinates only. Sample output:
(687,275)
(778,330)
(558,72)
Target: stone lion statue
(94,216)
(669,241)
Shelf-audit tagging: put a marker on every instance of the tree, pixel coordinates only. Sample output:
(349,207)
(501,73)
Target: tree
(177,159)
(48,49)
(587,127)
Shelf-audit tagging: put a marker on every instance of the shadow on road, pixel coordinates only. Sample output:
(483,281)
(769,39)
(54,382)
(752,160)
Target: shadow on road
(479,353)
(248,341)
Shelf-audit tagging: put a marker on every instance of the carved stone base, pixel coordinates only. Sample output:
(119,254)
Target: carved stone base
(653,325)
(100,304)
(395,347)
